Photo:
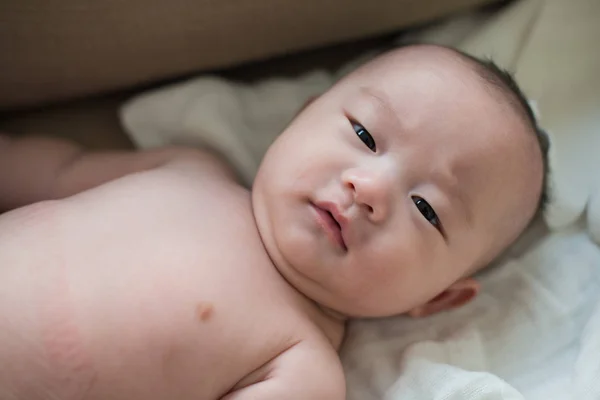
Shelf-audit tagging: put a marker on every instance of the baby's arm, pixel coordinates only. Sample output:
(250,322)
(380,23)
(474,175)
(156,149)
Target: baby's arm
(34,169)
(305,371)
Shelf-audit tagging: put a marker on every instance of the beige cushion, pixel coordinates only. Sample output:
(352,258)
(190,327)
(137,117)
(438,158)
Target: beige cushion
(63,49)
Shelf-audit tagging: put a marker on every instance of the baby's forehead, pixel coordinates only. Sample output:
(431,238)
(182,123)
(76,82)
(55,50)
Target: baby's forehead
(448,96)
(422,80)
(450,69)
(420,58)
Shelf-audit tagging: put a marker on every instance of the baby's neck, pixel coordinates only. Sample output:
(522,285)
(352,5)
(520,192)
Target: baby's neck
(337,316)
(331,323)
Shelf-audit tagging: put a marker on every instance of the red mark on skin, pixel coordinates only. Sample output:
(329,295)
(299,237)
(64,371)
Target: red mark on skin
(71,374)
(204,311)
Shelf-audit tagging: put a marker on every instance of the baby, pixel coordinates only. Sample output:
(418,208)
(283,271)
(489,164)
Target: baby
(154,275)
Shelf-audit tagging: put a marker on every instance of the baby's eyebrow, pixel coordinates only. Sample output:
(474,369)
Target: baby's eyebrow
(383,103)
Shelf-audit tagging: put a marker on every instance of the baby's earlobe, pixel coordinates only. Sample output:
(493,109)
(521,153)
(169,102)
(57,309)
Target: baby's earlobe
(457,295)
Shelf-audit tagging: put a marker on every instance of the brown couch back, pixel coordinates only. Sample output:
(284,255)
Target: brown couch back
(53,50)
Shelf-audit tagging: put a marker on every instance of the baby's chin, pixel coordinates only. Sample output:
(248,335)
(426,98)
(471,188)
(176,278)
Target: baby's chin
(346,307)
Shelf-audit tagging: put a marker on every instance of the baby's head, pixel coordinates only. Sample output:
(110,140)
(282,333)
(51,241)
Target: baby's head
(390,190)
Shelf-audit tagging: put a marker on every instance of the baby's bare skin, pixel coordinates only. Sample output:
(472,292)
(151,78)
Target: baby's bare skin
(382,197)
(150,296)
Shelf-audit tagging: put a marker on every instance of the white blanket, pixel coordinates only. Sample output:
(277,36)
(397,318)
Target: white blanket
(534,333)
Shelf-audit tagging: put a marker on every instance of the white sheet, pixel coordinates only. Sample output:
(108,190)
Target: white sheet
(535,331)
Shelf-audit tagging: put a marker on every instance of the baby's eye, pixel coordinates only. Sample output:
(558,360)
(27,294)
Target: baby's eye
(364,135)
(427,211)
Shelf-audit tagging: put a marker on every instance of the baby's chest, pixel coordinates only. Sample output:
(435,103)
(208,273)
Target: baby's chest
(189,309)
(191,249)
(150,223)
(212,318)
(176,287)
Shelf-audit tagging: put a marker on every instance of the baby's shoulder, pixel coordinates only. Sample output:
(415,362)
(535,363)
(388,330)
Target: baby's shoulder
(192,176)
(201,164)
(195,192)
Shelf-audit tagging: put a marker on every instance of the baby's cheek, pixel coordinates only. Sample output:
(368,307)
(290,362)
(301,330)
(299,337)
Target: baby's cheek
(405,272)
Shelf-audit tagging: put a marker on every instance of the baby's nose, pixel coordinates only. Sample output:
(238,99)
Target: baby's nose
(372,191)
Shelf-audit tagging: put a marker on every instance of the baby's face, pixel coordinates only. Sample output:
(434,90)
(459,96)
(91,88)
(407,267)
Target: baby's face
(402,179)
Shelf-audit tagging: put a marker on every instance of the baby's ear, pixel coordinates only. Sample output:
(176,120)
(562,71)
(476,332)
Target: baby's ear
(459,294)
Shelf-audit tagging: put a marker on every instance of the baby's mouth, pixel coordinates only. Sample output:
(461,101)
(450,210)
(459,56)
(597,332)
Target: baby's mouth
(334,220)
(332,227)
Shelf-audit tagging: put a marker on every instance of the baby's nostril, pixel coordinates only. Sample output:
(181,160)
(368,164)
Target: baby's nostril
(369,209)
